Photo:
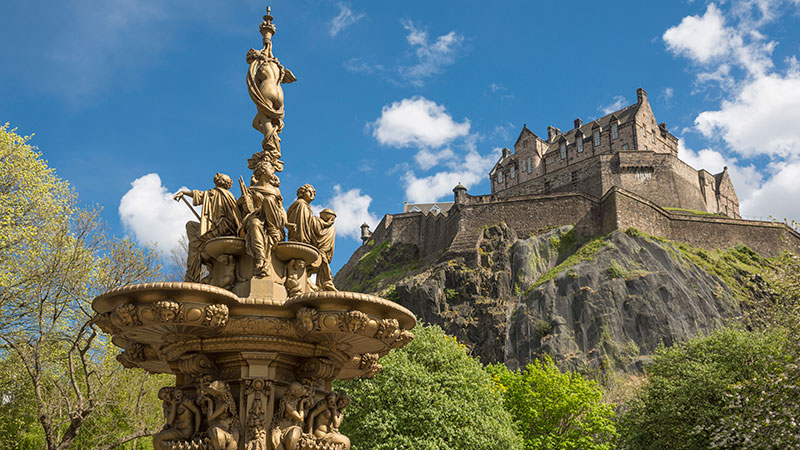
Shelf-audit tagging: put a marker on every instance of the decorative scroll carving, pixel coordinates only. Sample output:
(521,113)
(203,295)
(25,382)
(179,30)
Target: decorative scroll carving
(317,368)
(197,364)
(257,394)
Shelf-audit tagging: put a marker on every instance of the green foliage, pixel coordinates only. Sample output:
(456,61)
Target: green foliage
(692,212)
(615,270)
(451,294)
(555,410)
(430,395)
(585,252)
(383,264)
(564,242)
(60,384)
(688,382)
(762,411)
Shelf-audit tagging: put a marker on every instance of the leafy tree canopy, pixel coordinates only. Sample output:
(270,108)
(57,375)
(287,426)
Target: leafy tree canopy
(430,395)
(555,410)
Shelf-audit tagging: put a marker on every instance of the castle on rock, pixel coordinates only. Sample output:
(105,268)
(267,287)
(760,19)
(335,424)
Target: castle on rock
(627,149)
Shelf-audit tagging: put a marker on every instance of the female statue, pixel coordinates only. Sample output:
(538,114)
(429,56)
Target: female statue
(182,417)
(288,425)
(223,422)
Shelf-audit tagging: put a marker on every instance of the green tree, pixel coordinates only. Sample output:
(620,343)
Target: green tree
(554,409)
(688,384)
(762,411)
(55,256)
(430,395)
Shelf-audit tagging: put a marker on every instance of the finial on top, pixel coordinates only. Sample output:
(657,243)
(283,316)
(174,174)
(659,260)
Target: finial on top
(267,27)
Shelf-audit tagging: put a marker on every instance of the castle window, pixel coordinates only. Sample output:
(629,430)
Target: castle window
(524,161)
(563,150)
(415,209)
(435,209)
(500,177)
(614,131)
(644,131)
(512,172)
(624,146)
(653,137)
(597,138)
(574,178)
(529,166)
(546,187)
(580,144)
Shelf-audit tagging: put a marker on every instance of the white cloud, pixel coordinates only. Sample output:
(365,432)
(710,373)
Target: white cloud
(777,197)
(667,93)
(428,159)
(344,19)
(472,170)
(745,179)
(700,38)
(148,211)
(617,103)
(352,210)
(432,57)
(762,117)
(417,121)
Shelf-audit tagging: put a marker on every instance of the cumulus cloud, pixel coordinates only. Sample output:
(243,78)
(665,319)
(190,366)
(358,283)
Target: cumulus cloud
(432,57)
(745,178)
(344,19)
(417,121)
(469,171)
(352,210)
(428,159)
(760,106)
(148,211)
(777,197)
(700,38)
(761,118)
(617,103)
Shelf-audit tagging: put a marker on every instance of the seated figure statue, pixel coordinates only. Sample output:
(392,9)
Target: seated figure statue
(316,231)
(287,428)
(219,218)
(182,418)
(325,418)
(264,217)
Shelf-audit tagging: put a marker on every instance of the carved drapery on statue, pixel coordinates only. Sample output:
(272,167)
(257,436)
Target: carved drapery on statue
(254,345)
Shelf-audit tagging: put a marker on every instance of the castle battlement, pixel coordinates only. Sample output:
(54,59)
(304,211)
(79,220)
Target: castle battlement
(627,149)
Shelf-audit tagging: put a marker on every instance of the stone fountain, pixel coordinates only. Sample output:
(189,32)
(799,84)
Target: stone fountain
(253,342)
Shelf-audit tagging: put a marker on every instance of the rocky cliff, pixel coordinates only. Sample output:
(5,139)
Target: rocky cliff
(590,303)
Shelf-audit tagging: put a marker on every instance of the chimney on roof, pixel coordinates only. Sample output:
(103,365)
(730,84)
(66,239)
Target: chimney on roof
(578,123)
(552,132)
(641,95)
(506,152)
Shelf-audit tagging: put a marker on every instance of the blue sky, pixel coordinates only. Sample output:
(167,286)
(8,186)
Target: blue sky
(132,100)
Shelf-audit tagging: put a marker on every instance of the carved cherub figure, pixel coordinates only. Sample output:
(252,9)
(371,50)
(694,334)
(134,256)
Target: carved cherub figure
(182,417)
(219,217)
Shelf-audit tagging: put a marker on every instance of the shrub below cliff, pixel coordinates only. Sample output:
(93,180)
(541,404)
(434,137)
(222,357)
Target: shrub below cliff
(430,395)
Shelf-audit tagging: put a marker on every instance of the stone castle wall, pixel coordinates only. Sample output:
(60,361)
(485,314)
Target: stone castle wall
(458,234)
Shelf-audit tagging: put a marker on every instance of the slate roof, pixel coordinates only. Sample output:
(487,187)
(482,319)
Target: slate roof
(425,208)
(623,115)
